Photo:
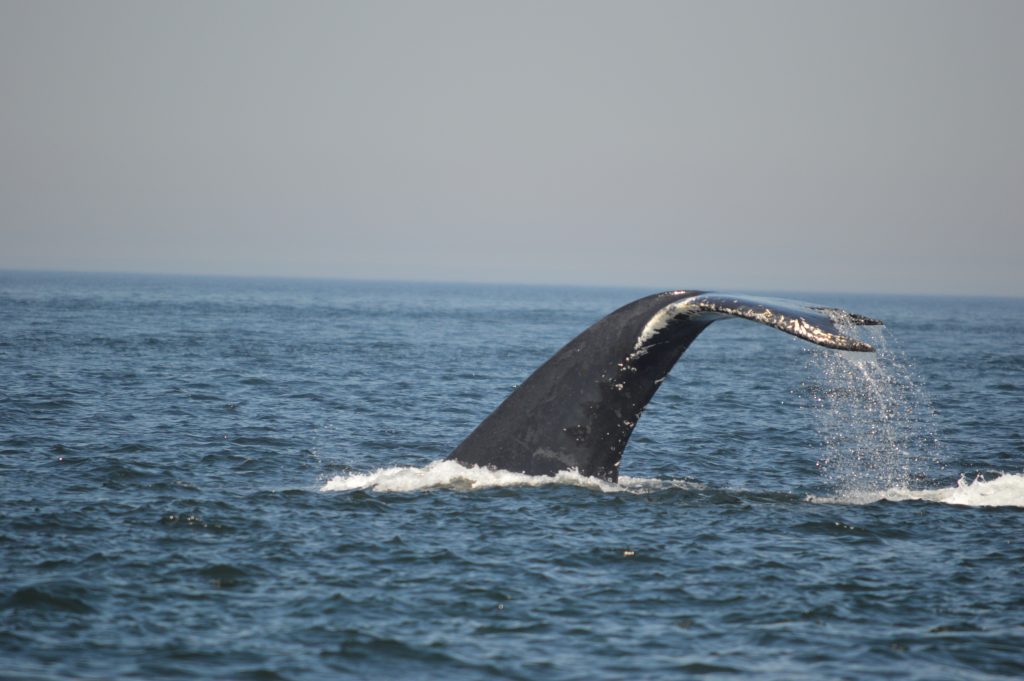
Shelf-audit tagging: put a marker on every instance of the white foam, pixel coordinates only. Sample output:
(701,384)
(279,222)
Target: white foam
(1006,490)
(452,475)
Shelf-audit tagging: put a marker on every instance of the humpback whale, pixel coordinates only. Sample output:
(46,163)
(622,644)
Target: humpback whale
(578,409)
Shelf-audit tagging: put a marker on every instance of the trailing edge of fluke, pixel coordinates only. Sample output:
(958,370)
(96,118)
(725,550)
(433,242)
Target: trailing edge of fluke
(578,409)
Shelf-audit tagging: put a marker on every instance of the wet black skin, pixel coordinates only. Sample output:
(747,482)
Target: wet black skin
(578,409)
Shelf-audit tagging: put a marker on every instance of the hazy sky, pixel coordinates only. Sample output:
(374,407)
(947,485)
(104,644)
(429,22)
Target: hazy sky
(809,146)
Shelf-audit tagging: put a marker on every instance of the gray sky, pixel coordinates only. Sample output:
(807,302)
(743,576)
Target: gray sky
(810,146)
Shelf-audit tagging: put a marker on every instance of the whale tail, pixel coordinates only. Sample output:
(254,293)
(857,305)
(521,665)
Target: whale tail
(814,323)
(578,410)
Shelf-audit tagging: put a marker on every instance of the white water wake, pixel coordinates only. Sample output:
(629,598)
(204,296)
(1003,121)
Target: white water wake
(1006,490)
(446,474)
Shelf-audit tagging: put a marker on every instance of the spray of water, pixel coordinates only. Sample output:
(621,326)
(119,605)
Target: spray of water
(876,423)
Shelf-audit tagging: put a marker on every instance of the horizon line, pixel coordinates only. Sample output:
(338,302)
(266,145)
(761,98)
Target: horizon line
(413,281)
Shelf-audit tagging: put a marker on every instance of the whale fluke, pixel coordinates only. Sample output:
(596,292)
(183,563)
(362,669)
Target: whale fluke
(578,409)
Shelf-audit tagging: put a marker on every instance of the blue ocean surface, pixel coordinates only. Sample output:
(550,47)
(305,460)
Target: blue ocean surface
(215,478)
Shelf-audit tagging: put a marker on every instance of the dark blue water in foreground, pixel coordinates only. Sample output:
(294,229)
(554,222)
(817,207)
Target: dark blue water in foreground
(235,479)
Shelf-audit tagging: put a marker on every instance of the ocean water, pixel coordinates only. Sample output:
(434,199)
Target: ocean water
(243,479)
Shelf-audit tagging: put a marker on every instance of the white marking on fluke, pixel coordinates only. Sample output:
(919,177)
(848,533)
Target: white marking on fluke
(708,306)
(659,321)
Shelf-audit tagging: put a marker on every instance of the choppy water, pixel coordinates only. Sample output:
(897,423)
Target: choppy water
(240,479)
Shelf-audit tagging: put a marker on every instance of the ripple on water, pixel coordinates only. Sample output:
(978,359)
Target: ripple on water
(56,596)
(220,479)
